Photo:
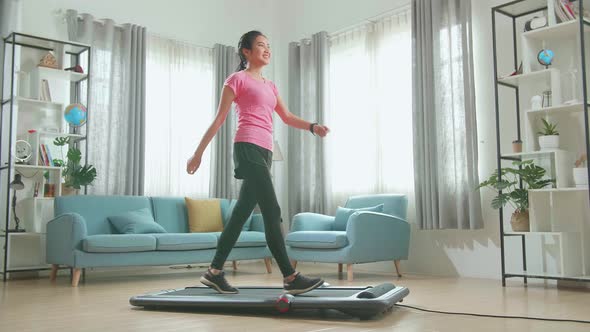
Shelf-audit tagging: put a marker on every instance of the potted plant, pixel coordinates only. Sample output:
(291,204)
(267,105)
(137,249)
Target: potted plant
(510,192)
(517,146)
(581,172)
(75,175)
(548,136)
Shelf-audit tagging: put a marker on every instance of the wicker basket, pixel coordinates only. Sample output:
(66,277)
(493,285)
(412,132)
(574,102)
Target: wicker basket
(520,221)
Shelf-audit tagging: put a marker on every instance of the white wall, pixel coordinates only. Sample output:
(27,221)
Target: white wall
(464,253)
(203,22)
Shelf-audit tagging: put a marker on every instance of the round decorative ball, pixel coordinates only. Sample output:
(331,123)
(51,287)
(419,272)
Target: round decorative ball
(75,115)
(545,57)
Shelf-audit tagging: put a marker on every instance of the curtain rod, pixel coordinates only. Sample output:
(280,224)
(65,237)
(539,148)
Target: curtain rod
(60,13)
(179,40)
(373,19)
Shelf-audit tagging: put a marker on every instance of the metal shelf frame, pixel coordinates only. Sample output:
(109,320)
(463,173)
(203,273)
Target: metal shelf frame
(515,10)
(14,40)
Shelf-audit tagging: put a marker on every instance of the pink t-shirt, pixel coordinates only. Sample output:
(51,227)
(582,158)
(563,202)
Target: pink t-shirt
(255,103)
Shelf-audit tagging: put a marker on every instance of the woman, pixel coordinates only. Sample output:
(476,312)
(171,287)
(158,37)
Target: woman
(256,99)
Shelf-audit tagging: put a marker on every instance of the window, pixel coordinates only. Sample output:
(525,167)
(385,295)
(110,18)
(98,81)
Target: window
(179,109)
(371,102)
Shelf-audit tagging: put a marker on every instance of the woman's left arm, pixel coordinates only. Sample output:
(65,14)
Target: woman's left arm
(297,122)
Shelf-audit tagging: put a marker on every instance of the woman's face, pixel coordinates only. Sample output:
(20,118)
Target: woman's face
(260,52)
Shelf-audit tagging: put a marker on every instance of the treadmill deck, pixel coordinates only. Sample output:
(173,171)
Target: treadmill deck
(362,302)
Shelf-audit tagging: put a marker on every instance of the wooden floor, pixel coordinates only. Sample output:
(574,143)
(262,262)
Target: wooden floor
(101,303)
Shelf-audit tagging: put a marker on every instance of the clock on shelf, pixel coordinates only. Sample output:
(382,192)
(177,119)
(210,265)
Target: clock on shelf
(24,151)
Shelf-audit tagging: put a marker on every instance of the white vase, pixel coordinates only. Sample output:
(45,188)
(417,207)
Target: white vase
(581,177)
(549,142)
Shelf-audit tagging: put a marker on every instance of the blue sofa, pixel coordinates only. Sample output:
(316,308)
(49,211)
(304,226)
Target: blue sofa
(80,236)
(361,237)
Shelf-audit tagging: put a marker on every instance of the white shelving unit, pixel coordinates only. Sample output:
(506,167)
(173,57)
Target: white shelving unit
(559,239)
(36,212)
(30,247)
(34,116)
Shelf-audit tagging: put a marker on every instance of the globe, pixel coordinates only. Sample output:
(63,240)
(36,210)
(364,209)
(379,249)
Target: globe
(545,57)
(75,115)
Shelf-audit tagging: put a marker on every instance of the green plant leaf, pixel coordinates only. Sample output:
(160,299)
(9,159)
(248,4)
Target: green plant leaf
(548,129)
(74,155)
(508,186)
(500,200)
(61,141)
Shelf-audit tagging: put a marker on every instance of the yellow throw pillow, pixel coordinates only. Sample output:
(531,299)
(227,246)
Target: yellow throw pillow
(204,215)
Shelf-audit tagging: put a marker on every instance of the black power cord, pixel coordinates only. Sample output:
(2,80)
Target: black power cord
(494,316)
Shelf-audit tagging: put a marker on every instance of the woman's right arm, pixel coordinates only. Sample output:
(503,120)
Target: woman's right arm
(227,97)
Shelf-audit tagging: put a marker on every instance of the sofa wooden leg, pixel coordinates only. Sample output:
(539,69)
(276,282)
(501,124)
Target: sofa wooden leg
(53,274)
(235,265)
(294,263)
(398,268)
(339,267)
(76,277)
(349,272)
(268,263)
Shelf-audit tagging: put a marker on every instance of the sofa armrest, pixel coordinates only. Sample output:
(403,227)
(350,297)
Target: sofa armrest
(378,235)
(308,221)
(64,235)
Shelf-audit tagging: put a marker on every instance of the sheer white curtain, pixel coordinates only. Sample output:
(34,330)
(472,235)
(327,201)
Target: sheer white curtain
(179,99)
(371,109)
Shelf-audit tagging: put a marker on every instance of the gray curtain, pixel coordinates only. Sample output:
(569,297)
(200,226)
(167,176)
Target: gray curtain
(116,120)
(308,98)
(445,131)
(223,183)
(10,13)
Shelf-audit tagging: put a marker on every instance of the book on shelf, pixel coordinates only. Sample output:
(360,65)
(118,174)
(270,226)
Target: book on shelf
(45,157)
(49,157)
(41,157)
(566,10)
(36,189)
(45,93)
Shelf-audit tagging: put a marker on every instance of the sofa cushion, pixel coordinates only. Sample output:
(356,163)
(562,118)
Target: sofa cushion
(96,209)
(342,215)
(227,207)
(204,215)
(317,239)
(119,243)
(249,239)
(189,241)
(136,222)
(171,214)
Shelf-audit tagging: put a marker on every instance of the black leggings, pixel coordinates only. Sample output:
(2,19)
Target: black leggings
(257,187)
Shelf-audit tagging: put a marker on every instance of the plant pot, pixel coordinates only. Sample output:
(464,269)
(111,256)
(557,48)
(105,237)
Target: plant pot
(520,221)
(517,146)
(549,142)
(69,191)
(581,177)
